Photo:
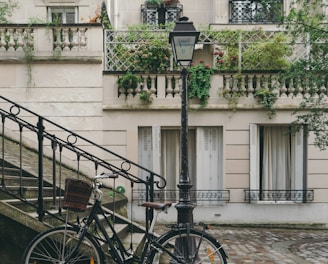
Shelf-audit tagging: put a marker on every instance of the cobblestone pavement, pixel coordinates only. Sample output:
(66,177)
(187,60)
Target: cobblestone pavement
(271,245)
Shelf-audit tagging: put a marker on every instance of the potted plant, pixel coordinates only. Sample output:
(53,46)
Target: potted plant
(154,3)
(171,3)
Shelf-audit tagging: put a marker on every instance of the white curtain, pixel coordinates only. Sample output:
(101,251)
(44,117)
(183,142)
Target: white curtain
(277,172)
(170,145)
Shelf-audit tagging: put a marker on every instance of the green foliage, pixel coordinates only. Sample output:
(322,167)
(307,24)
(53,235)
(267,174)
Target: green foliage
(261,53)
(305,22)
(129,81)
(270,55)
(154,55)
(267,98)
(6,10)
(313,112)
(199,82)
(154,2)
(146,97)
(104,18)
(233,95)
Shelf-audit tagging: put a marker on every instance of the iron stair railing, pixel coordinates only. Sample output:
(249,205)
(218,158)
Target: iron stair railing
(29,124)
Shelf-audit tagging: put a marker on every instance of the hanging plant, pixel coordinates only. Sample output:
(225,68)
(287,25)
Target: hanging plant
(199,82)
(145,97)
(129,81)
(267,98)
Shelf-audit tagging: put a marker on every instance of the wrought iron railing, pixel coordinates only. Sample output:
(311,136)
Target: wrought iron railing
(64,149)
(302,196)
(160,15)
(255,11)
(200,197)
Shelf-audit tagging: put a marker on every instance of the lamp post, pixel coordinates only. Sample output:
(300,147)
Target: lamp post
(183,39)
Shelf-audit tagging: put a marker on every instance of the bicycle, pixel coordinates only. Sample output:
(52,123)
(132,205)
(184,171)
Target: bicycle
(88,242)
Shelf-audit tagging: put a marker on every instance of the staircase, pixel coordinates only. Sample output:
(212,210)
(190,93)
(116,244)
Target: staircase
(32,183)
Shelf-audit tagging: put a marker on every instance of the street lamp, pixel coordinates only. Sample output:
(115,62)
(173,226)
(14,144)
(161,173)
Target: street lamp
(183,39)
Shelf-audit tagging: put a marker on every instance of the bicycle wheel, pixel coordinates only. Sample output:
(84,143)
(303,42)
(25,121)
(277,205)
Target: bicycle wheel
(179,246)
(56,244)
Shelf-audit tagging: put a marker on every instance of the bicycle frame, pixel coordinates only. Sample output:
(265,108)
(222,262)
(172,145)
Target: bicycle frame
(117,250)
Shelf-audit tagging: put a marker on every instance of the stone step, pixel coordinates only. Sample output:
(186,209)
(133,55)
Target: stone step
(28,207)
(12,180)
(25,191)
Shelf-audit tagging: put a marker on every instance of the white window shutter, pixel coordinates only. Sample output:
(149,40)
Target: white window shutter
(145,150)
(297,163)
(156,143)
(253,157)
(209,158)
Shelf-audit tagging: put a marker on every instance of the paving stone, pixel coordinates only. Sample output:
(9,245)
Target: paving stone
(272,246)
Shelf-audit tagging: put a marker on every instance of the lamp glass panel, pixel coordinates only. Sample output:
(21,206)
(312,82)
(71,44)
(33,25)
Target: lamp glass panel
(184,48)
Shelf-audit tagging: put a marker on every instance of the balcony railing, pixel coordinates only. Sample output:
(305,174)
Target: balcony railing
(43,40)
(160,15)
(279,195)
(255,11)
(164,90)
(200,197)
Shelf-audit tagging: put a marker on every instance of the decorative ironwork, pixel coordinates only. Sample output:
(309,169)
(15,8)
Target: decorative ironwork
(200,197)
(160,15)
(55,140)
(279,195)
(255,11)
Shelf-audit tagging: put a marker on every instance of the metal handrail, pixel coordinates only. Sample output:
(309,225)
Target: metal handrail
(72,142)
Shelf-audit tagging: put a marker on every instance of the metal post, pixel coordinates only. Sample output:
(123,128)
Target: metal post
(40,161)
(185,206)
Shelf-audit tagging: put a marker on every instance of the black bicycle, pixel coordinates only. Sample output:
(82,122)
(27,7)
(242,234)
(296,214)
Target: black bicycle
(89,242)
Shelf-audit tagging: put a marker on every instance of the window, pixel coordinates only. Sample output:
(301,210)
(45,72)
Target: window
(159,150)
(62,15)
(255,11)
(160,15)
(277,163)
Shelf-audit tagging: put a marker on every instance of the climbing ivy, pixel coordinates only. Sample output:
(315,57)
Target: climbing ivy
(199,82)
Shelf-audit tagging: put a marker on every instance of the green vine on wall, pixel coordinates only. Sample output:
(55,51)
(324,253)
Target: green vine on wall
(6,10)
(199,82)
(267,98)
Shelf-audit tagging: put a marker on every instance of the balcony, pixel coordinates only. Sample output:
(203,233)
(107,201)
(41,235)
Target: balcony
(243,61)
(160,15)
(69,42)
(255,11)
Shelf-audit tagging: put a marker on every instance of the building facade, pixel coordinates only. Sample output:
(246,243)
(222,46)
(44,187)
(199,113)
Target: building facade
(245,165)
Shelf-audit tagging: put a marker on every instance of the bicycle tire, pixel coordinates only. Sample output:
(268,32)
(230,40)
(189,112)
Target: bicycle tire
(174,247)
(47,247)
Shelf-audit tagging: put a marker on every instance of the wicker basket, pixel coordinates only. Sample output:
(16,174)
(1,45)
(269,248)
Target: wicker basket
(77,194)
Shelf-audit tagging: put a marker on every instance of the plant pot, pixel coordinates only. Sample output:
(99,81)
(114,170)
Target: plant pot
(171,5)
(150,6)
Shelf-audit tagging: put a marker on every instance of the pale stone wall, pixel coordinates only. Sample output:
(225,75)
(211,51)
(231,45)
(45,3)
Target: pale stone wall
(36,10)
(74,92)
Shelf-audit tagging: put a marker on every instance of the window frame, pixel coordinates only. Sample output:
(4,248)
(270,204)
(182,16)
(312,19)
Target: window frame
(63,10)
(300,167)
